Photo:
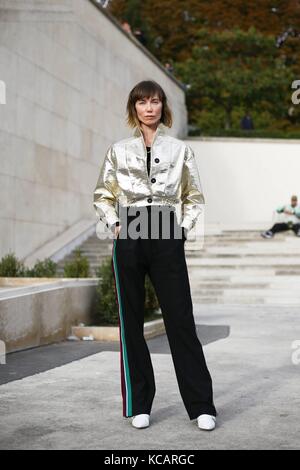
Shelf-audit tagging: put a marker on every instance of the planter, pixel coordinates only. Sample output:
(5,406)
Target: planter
(24,281)
(39,311)
(111,333)
(11,282)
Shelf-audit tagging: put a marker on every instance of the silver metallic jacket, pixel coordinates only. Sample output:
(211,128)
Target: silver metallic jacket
(173,180)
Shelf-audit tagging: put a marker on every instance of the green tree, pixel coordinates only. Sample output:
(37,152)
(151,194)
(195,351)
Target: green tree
(200,39)
(176,23)
(235,70)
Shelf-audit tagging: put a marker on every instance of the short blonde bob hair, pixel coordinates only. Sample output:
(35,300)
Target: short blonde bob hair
(147,89)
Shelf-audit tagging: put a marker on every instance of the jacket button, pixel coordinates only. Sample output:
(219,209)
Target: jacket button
(153,180)
(149,199)
(156,160)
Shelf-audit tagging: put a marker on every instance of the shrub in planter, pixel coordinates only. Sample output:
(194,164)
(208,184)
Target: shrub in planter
(10,266)
(46,268)
(79,267)
(106,305)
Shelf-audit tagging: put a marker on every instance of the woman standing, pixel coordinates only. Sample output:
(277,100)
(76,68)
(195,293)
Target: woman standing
(147,174)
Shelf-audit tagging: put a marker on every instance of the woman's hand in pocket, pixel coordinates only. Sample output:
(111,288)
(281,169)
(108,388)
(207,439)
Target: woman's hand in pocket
(117,230)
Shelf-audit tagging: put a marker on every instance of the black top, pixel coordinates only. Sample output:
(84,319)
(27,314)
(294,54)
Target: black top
(148,159)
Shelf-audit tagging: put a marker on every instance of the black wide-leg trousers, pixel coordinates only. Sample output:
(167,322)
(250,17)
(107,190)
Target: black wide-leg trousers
(164,261)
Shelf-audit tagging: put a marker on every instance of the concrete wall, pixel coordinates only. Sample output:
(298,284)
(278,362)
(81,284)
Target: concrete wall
(244,180)
(68,68)
(42,314)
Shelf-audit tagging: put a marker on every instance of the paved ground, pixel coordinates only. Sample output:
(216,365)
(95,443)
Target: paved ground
(69,396)
(32,361)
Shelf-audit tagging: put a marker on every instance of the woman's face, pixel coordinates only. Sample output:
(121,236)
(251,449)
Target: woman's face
(149,110)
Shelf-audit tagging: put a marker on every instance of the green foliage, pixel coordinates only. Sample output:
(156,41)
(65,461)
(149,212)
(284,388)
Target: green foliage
(78,267)
(231,72)
(106,303)
(46,268)
(10,266)
(106,308)
(151,302)
(177,22)
(227,65)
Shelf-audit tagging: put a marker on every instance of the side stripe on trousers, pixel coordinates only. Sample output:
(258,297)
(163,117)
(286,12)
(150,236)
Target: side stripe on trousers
(125,375)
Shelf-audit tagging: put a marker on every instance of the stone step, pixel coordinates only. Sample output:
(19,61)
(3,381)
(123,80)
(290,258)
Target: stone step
(244,285)
(96,257)
(221,239)
(244,255)
(210,271)
(232,264)
(229,268)
(210,241)
(269,261)
(247,301)
(247,251)
(233,248)
(246,292)
(211,252)
(265,244)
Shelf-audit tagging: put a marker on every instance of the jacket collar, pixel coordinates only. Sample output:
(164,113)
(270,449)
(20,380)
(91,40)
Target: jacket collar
(160,130)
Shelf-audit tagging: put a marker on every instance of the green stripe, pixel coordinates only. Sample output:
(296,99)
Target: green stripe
(125,358)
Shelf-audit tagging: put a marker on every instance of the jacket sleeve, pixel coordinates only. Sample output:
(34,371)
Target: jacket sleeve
(192,195)
(105,194)
(280,209)
(297,211)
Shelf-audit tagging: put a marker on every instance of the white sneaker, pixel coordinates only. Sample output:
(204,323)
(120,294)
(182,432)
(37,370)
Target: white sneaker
(141,421)
(207,422)
(267,234)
